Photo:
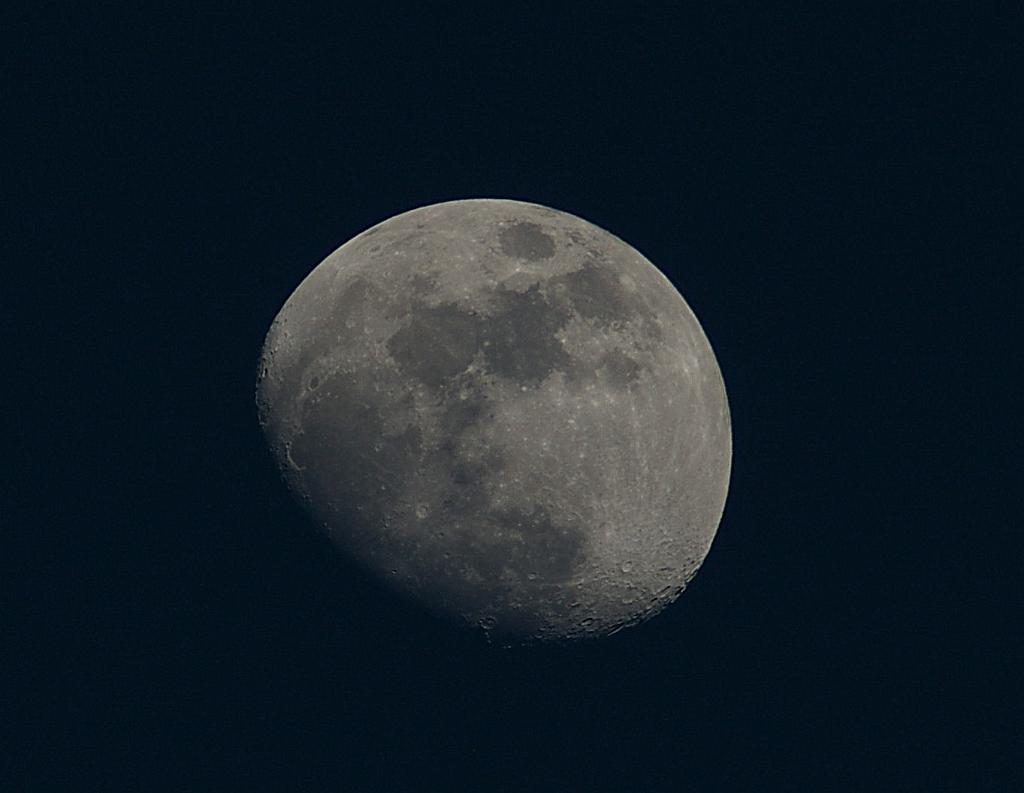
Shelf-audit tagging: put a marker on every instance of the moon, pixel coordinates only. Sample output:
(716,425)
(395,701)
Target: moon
(505,412)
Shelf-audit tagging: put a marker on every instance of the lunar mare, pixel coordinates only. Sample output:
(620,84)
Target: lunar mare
(505,412)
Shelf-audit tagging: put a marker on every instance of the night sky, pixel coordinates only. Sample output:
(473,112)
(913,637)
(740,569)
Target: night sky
(831,189)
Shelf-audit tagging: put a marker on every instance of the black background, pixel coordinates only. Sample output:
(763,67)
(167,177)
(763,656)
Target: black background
(829,186)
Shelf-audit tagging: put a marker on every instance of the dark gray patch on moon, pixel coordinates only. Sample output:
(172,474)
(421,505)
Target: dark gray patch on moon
(596,294)
(526,241)
(437,344)
(352,300)
(519,342)
(490,446)
(621,370)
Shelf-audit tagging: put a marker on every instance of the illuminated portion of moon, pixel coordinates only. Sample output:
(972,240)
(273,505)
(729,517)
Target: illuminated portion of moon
(505,412)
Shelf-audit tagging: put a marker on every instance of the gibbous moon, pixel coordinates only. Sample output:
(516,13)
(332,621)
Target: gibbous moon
(505,412)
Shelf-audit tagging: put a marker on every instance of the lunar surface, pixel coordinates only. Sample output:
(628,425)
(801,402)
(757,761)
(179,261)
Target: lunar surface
(505,412)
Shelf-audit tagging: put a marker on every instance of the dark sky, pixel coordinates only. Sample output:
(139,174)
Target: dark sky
(832,189)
